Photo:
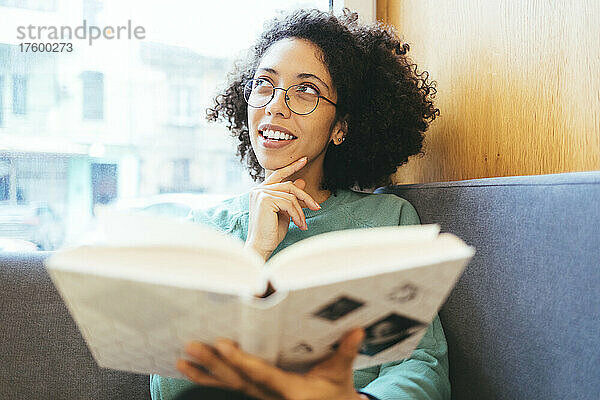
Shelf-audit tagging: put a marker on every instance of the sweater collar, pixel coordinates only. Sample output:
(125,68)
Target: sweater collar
(331,202)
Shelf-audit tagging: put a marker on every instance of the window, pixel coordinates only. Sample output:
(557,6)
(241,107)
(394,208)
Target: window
(4,185)
(183,106)
(19,105)
(1,100)
(104,183)
(39,5)
(4,180)
(91,8)
(93,95)
(181,174)
(122,119)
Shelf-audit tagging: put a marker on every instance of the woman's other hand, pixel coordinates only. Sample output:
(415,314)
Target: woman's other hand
(272,204)
(231,368)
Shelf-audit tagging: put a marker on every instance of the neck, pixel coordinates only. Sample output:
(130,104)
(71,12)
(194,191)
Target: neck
(313,189)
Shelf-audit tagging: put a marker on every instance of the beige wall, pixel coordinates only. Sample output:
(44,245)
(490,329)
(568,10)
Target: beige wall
(518,85)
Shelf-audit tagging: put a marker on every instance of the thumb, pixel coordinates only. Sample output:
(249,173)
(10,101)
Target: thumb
(340,362)
(349,345)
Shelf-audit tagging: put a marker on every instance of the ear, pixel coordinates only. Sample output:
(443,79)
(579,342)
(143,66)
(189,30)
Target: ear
(339,131)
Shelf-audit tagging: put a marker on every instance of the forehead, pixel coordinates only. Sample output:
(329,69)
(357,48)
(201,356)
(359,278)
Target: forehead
(291,56)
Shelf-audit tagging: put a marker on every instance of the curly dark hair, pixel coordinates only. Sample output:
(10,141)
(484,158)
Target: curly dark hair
(388,103)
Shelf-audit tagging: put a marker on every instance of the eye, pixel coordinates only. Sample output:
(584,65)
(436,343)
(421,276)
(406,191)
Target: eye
(260,82)
(307,88)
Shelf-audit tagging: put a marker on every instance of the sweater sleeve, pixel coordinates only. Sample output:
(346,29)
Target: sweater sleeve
(423,376)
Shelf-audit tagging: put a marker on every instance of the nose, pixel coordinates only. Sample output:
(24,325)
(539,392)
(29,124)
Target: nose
(277,104)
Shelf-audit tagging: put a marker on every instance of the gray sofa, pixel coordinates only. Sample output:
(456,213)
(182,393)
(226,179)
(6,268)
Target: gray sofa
(522,323)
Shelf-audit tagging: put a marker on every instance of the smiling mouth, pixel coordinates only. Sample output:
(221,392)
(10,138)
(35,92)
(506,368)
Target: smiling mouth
(260,133)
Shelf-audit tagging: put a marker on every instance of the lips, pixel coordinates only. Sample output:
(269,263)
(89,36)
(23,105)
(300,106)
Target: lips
(264,127)
(261,135)
(273,143)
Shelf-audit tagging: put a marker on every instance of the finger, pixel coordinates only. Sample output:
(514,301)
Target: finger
(300,194)
(282,173)
(338,367)
(287,206)
(300,183)
(282,202)
(257,370)
(350,345)
(289,202)
(197,376)
(208,358)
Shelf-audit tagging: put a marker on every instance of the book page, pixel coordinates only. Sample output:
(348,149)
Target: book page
(122,229)
(143,327)
(395,308)
(341,241)
(202,269)
(359,253)
(156,249)
(261,325)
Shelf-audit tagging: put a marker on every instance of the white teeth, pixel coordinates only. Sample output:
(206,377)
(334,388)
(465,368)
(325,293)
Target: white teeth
(271,134)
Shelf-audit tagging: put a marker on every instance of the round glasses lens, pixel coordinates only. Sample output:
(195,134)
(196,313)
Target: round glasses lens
(302,98)
(258,92)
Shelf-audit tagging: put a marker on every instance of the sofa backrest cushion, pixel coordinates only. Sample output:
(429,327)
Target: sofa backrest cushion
(42,353)
(523,321)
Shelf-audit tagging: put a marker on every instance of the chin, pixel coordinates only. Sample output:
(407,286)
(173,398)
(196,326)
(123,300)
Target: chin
(276,162)
(272,165)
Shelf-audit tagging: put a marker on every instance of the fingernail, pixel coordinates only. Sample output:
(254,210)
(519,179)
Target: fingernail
(318,205)
(303,159)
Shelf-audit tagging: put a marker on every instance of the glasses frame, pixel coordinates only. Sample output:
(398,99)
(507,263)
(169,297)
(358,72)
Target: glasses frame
(286,98)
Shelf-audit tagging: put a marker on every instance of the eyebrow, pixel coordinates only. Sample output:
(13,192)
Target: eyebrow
(301,75)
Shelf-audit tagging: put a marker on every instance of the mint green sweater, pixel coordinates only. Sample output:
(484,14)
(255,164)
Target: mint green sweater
(422,376)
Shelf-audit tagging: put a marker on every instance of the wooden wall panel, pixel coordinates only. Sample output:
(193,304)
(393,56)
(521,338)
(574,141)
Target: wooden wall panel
(518,85)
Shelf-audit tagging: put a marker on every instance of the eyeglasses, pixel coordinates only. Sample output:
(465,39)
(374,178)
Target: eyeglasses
(301,99)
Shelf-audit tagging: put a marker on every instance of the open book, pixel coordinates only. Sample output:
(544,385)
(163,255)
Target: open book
(149,285)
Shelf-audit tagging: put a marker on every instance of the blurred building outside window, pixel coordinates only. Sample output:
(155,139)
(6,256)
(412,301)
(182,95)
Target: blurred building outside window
(118,120)
(93,95)
(19,103)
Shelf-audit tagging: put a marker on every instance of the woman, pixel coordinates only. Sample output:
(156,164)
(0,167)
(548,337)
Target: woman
(322,105)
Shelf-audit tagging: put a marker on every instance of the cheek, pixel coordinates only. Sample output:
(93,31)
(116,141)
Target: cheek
(251,112)
(253,121)
(320,132)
